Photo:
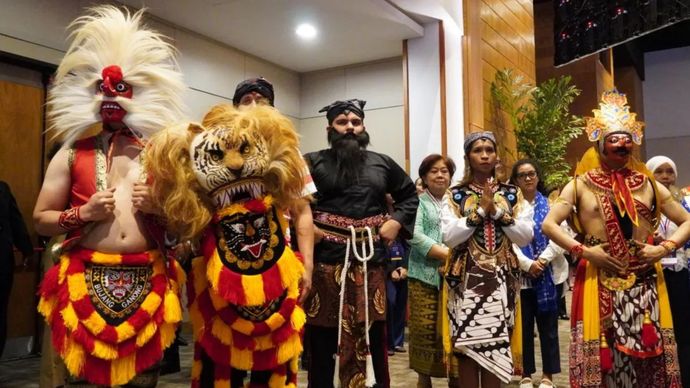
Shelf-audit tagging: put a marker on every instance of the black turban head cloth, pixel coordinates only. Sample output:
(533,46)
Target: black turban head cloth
(259,85)
(336,108)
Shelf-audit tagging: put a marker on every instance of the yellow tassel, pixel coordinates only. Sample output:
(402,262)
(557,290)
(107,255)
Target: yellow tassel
(292,347)
(241,359)
(77,286)
(122,370)
(216,300)
(70,317)
(243,326)
(221,383)
(46,306)
(124,331)
(181,274)
(106,258)
(73,357)
(151,303)
(95,323)
(104,351)
(196,369)
(298,318)
(290,267)
(253,286)
(277,380)
(213,267)
(64,263)
(221,331)
(196,318)
(264,342)
(293,290)
(275,321)
(167,334)
(146,333)
(173,310)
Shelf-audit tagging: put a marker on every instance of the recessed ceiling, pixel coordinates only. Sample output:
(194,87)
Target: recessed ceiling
(352,31)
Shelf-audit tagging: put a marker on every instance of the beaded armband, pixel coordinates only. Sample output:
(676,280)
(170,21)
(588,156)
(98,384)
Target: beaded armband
(70,219)
(474,218)
(669,245)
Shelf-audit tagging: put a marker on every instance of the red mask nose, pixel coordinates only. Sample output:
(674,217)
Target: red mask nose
(112,75)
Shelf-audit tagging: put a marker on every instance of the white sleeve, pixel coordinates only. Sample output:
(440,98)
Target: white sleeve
(551,251)
(455,230)
(521,232)
(523,261)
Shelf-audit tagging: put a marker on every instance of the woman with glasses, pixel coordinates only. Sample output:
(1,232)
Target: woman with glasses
(427,255)
(538,294)
(480,220)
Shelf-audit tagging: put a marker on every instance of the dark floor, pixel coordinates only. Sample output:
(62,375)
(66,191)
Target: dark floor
(23,373)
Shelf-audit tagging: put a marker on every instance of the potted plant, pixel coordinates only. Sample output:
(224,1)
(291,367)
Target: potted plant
(541,119)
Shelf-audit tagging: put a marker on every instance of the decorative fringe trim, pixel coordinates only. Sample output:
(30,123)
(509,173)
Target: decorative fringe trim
(91,348)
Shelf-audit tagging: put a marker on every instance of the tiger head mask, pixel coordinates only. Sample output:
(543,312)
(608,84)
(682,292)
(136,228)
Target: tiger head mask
(234,156)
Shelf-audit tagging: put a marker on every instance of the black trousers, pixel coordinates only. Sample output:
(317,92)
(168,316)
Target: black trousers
(560,290)
(396,294)
(323,342)
(678,286)
(5,290)
(547,325)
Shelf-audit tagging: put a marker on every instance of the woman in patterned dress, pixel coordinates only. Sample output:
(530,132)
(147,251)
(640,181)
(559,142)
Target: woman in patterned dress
(426,256)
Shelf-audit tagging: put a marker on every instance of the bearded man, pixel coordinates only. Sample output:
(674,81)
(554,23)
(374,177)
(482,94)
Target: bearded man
(112,301)
(350,213)
(621,328)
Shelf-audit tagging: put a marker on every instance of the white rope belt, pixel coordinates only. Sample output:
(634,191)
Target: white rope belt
(370,378)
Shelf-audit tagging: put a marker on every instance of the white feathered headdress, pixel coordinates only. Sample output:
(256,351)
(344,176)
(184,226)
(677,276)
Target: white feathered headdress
(109,36)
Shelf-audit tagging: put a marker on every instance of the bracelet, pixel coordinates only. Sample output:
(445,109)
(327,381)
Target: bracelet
(70,219)
(669,245)
(577,251)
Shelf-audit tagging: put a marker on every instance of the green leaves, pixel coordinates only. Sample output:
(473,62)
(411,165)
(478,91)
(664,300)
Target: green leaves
(541,119)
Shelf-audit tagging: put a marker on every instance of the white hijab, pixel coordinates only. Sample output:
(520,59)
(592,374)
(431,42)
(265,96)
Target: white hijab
(655,162)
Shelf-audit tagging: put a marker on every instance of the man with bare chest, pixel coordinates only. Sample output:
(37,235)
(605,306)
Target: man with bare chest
(112,302)
(621,328)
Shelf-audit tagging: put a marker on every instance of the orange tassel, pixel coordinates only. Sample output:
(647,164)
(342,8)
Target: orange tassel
(605,355)
(649,336)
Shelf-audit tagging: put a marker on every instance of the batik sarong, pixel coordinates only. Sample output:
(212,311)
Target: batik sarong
(426,342)
(604,318)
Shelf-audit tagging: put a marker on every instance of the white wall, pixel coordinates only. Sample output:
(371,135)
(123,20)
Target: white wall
(666,92)
(36,29)
(379,83)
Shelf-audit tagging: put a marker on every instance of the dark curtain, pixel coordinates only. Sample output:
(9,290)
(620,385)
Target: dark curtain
(583,27)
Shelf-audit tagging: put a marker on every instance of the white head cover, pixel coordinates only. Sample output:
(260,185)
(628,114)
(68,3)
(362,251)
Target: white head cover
(655,162)
(109,36)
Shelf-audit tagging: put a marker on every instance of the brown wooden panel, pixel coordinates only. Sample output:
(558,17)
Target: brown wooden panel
(21,126)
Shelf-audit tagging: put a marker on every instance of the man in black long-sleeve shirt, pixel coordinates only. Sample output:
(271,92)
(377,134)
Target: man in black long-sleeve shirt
(351,184)
(12,233)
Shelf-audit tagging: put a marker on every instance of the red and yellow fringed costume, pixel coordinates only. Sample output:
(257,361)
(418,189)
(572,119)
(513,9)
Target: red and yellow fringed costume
(243,298)
(111,315)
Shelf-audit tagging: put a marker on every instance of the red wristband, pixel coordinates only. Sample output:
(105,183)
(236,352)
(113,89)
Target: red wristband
(577,251)
(70,219)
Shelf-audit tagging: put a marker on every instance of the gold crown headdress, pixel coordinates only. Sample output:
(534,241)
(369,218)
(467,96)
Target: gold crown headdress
(613,116)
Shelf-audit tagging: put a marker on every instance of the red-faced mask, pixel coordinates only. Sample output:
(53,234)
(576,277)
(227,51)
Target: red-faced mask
(617,148)
(111,86)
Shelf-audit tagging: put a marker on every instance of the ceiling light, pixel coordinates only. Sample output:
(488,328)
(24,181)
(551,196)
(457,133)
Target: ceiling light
(306,31)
